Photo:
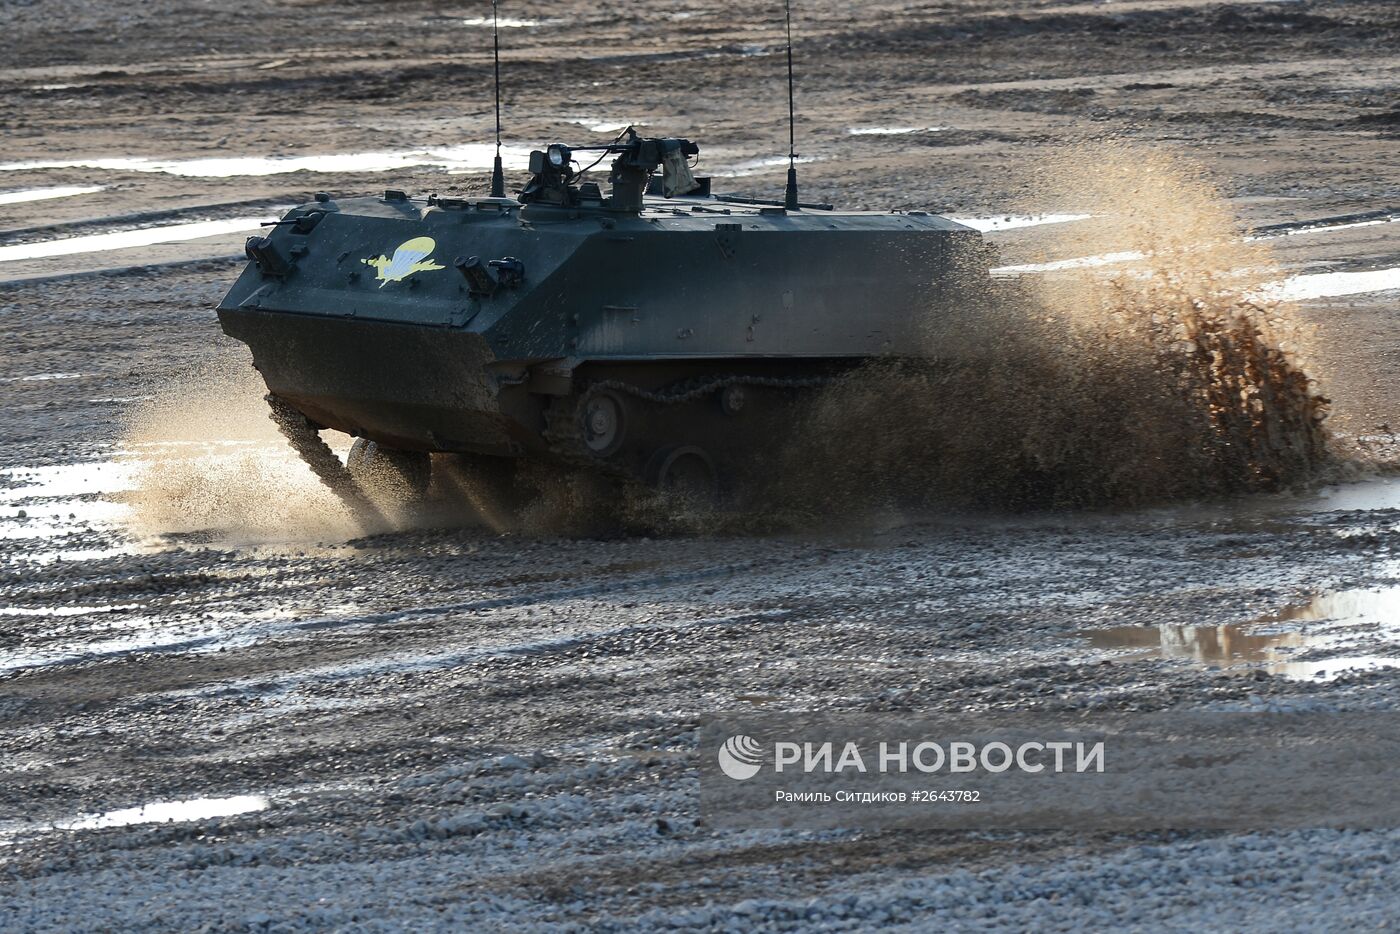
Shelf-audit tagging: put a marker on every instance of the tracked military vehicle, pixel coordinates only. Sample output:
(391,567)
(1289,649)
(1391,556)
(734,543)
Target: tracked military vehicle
(657,332)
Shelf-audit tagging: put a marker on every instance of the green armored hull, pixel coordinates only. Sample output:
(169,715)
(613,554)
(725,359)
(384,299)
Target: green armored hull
(606,331)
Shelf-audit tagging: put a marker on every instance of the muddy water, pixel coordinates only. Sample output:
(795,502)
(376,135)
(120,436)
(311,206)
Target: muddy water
(52,503)
(1337,625)
(1324,228)
(471,157)
(892,130)
(756,166)
(156,812)
(504,22)
(250,488)
(1291,289)
(145,236)
(595,124)
(465,158)
(1376,493)
(45,194)
(149,495)
(1332,285)
(41,377)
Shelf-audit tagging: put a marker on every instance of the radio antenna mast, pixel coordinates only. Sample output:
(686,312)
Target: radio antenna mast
(498,178)
(790,196)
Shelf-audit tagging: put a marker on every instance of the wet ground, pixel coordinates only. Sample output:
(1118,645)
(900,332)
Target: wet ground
(222,704)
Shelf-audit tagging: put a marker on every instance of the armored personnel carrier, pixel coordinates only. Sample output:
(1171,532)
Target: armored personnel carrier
(657,332)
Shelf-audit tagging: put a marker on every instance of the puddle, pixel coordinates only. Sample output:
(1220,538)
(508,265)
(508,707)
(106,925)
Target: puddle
(1016,221)
(65,481)
(603,125)
(61,611)
(1294,288)
(157,812)
(60,519)
(892,130)
(504,22)
(1331,621)
(53,503)
(208,630)
(466,158)
(122,239)
(43,194)
(1374,494)
(1078,262)
(76,554)
(470,157)
(1332,284)
(1379,493)
(41,377)
(1322,228)
(756,166)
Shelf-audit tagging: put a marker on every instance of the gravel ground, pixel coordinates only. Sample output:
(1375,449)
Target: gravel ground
(445,727)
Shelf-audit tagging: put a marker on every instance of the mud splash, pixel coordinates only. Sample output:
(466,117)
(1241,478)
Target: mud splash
(1208,376)
(1169,376)
(192,479)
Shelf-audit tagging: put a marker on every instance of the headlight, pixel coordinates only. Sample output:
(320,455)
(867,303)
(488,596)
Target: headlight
(559,156)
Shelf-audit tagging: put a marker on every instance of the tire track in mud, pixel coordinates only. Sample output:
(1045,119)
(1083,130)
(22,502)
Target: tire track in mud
(268,642)
(779,578)
(863,629)
(329,623)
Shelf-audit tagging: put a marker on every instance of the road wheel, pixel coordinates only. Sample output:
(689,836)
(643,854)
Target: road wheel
(686,471)
(391,478)
(604,422)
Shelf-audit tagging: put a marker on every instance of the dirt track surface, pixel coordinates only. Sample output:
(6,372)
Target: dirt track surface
(447,727)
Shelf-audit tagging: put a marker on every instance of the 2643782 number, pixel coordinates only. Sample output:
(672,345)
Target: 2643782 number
(946,796)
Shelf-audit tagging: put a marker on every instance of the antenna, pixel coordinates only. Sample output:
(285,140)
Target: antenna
(498,178)
(790,196)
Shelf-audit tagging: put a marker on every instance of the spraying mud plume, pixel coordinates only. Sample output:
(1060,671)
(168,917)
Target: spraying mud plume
(211,465)
(211,461)
(1154,369)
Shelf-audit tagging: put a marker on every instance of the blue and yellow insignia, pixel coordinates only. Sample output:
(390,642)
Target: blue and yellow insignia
(409,257)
